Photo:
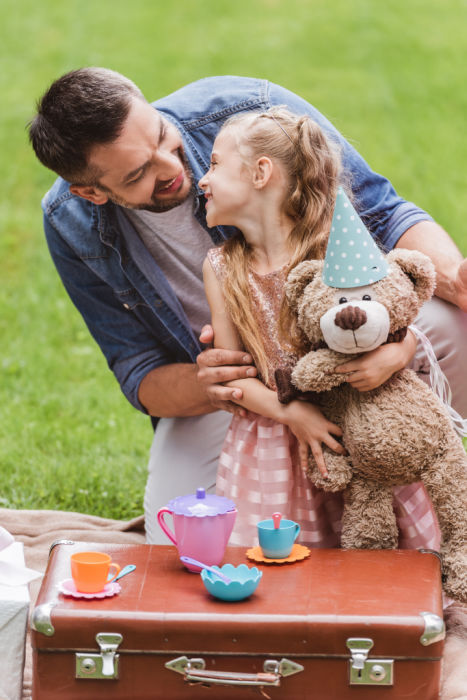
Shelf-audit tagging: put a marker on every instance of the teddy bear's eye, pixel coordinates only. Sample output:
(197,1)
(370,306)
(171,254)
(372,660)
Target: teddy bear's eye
(366,297)
(343,300)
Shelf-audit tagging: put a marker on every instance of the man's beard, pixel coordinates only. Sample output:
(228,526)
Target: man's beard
(155,205)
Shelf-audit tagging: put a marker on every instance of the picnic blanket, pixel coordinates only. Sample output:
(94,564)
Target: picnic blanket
(37,529)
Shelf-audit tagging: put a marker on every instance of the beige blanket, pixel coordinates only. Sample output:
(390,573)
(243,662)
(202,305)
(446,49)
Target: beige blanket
(37,529)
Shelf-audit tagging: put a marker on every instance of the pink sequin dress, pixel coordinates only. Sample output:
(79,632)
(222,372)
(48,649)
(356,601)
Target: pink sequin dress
(259,467)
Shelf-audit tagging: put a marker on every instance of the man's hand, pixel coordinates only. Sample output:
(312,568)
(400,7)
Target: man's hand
(216,366)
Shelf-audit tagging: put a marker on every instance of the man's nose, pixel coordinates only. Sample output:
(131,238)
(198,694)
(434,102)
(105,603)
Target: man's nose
(167,165)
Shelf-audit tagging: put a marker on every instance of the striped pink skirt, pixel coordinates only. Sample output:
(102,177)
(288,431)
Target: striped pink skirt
(260,471)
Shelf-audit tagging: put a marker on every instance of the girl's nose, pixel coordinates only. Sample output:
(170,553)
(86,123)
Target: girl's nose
(202,183)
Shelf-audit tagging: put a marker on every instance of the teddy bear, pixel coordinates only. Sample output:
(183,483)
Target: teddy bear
(398,433)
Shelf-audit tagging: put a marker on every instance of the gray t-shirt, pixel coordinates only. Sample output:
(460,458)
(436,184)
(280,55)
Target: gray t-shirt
(178,244)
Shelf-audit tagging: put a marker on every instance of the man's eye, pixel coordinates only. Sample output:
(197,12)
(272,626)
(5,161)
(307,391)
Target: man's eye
(135,179)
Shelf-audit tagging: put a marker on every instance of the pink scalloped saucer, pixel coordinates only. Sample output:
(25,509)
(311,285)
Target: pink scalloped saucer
(299,552)
(67,587)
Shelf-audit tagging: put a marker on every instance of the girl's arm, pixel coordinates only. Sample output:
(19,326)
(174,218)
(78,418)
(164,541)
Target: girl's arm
(305,420)
(374,368)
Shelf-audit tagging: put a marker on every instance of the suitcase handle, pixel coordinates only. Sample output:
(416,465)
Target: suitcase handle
(193,670)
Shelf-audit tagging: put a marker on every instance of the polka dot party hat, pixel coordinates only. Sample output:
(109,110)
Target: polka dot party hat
(352,257)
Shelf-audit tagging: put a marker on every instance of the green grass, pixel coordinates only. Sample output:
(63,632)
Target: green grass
(390,75)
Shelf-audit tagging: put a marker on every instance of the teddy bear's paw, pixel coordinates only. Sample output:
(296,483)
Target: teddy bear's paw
(455,576)
(339,473)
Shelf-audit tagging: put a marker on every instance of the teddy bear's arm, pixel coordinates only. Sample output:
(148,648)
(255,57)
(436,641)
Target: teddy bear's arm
(315,371)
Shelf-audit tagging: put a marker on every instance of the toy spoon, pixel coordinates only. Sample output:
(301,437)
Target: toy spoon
(126,570)
(195,562)
(277,520)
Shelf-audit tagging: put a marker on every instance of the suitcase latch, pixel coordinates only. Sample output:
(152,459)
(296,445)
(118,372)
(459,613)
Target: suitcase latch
(103,665)
(365,671)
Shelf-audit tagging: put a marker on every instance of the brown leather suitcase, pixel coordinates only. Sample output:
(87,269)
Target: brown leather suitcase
(340,624)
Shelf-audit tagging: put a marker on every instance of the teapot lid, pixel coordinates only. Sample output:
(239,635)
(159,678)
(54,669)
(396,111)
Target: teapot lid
(200,504)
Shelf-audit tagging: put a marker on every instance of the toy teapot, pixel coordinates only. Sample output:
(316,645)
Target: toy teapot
(203,524)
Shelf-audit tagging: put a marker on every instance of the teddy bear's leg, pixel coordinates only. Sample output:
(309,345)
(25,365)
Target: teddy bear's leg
(339,469)
(446,483)
(368,521)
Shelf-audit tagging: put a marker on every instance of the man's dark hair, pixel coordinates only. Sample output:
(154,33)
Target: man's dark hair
(82,109)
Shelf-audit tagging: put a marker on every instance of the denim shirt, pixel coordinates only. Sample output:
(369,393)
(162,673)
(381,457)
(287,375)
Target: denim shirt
(123,296)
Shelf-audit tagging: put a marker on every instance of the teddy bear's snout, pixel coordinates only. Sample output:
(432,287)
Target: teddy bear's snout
(350,318)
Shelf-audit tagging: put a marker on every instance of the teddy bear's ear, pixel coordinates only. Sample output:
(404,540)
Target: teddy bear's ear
(299,277)
(418,268)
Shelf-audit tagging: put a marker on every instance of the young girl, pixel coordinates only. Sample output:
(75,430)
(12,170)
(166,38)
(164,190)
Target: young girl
(275,176)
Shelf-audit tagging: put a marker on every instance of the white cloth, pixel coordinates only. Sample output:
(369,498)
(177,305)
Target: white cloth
(12,573)
(185,451)
(14,609)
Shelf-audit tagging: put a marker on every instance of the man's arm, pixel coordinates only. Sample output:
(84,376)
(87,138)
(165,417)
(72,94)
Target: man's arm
(451,268)
(174,390)
(192,390)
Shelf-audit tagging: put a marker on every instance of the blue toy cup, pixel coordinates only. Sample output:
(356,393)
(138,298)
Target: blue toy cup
(277,543)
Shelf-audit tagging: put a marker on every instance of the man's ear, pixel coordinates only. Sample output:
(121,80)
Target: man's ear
(93,194)
(262,172)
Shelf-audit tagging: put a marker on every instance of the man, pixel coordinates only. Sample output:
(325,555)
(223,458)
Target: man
(125,224)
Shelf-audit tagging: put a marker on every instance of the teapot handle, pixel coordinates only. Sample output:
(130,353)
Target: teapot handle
(164,526)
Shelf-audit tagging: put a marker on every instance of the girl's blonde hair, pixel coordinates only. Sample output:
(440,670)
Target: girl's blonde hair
(311,164)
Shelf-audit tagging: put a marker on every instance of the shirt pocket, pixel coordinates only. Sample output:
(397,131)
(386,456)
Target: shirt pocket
(130,299)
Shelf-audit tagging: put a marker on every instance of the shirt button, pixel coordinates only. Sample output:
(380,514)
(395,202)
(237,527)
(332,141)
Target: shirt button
(126,306)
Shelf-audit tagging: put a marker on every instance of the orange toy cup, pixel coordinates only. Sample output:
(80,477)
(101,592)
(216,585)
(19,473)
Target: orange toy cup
(90,571)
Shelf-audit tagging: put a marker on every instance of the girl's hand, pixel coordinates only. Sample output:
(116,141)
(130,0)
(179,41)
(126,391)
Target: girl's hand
(375,367)
(311,429)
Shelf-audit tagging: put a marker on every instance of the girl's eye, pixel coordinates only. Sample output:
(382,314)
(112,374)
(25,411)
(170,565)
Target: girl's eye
(366,297)
(343,300)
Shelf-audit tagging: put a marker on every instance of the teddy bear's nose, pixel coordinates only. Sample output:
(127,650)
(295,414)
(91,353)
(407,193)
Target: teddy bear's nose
(350,318)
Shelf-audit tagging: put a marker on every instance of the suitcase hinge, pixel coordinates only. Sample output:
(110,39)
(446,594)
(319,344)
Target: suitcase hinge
(103,665)
(41,620)
(435,629)
(365,671)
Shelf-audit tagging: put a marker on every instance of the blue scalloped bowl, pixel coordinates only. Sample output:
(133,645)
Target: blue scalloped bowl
(244,581)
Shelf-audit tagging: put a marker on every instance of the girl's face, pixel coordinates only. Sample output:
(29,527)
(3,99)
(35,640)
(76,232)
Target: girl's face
(227,185)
